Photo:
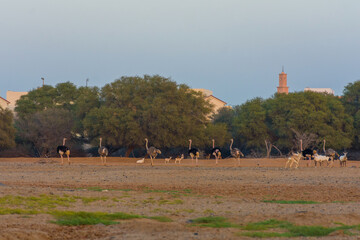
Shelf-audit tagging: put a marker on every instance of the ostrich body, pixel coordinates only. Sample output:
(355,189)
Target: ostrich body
(235,152)
(193,152)
(103,152)
(152,151)
(216,152)
(63,150)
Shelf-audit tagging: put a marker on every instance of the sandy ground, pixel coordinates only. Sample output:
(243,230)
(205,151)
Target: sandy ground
(181,192)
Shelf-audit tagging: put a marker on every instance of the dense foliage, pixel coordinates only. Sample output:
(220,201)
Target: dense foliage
(7,130)
(153,107)
(45,130)
(130,109)
(279,119)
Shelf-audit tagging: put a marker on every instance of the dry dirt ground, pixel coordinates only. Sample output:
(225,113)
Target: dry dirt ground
(181,192)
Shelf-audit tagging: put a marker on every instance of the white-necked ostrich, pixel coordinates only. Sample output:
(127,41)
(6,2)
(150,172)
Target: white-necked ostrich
(193,152)
(216,151)
(63,150)
(152,151)
(103,152)
(235,152)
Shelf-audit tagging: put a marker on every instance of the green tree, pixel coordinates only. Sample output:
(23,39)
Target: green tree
(351,100)
(250,125)
(155,107)
(62,96)
(36,100)
(7,130)
(308,112)
(88,98)
(45,130)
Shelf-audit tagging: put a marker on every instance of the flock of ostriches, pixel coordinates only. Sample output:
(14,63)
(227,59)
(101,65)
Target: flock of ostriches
(153,152)
(294,159)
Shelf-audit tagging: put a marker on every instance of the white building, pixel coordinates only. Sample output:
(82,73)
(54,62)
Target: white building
(12,97)
(208,95)
(320,90)
(4,103)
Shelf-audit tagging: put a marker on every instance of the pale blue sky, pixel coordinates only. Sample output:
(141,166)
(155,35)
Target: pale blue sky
(234,47)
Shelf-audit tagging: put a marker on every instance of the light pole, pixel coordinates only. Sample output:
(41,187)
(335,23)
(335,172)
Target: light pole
(43,81)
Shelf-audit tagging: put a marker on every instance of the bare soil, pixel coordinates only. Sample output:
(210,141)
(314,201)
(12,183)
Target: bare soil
(181,192)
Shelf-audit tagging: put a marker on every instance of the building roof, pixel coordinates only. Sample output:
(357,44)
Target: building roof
(212,96)
(5,100)
(320,90)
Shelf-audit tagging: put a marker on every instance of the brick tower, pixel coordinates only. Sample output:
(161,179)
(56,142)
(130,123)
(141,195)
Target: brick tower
(283,88)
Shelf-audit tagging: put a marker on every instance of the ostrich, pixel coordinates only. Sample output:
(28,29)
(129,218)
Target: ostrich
(235,152)
(216,151)
(193,152)
(63,150)
(103,152)
(152,151)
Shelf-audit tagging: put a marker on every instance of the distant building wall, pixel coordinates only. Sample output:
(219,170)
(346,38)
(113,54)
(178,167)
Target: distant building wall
(12,97)
(216,102)
(320,90)
(4,103)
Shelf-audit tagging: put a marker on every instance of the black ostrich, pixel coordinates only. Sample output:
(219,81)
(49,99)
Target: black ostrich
(152,151)
(63,150)
(193,152)
(235,152)
(216,151)
(103,152)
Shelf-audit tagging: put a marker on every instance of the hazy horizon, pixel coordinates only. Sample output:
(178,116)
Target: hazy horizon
(234,48)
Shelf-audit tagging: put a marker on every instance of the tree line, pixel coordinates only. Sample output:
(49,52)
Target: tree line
(130,109)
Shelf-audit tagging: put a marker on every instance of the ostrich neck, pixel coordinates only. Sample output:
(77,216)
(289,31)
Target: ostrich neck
(213,143)
(190,145)
(231,145)
(100,142)
(64,141)
(146,144)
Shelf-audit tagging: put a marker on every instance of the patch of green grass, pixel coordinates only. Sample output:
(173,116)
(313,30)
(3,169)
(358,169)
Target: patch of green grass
(213,221)
(5,211)
(208,211)
(264,225)
(185,210)
(291,229)
(264,234)
(170,202)
(42,201)
(87,200)
(290,202)
(68,218)
(261,229)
